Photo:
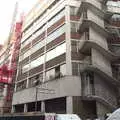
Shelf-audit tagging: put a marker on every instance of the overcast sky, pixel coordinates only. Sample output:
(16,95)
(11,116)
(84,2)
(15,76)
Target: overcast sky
(6,12)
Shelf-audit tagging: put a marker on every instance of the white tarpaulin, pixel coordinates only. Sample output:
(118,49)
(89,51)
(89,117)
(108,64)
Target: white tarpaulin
(67,117)
(115,115)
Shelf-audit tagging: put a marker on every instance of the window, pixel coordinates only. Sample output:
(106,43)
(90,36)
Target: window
(39,31)
(63,70)
(87,34)
(73,10)
(56,34)
(56,18)
(50,74)
(89,76)
(25,68)
(34,35)
(88,83)
(38,46)
(21,85)
(33,64)
(26,41)
(57,72)
(75,46)
(35,80)
(115,49)
(74,26)
(75,68)
(59,50)
(37,62)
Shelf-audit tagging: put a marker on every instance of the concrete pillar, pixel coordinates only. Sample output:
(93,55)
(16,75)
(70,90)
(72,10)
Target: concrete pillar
(69,105)
(25,107)
(15,89)
(42,106)
(68,41)
(27,84)
(13,109)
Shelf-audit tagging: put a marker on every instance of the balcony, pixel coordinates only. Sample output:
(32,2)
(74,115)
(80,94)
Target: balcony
(91,91)
(87,84)
(87,22)
(104,12)
(95,6)
(100,71)
(113,28)
(113,9)
(86,45)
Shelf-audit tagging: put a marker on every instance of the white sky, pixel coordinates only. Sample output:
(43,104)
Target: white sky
(6,13)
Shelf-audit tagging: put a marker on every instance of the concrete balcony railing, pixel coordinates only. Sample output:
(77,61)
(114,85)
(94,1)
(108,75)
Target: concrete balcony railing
(90,90)
(100,70)
(93,2)
(94,5)
(113,9)
(89,22)
(98,8)
(113,28)
(85,46)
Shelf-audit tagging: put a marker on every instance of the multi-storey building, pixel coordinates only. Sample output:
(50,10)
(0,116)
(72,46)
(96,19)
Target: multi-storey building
(66,59)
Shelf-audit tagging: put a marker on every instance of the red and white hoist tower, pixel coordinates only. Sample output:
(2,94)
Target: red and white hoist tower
(9,69)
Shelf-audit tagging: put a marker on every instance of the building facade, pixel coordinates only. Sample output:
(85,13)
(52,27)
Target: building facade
(66,59)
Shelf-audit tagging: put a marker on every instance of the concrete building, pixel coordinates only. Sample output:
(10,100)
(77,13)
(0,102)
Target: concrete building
(67,58)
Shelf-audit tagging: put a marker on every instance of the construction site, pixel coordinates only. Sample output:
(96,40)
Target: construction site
(63,57)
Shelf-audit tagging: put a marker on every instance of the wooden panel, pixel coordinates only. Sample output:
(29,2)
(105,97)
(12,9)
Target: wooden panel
(26,47)
(23,76)
(55,25)
(77,56)
(40,37)
(75,35)
(56,41)
(37,53)
(36,70)
(74,18)
(24,61)
(56,61)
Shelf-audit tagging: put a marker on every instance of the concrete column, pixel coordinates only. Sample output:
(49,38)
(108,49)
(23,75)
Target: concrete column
(25,107)
(69,105)
(45,51)
(68,41)
(13,109)
(27,84)
(15,89)
(42,106)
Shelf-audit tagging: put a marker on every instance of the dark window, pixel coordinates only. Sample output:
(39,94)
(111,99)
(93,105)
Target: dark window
(57,72)
(75,68)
